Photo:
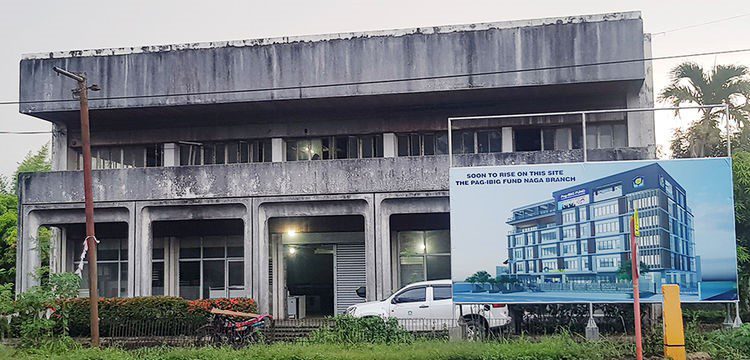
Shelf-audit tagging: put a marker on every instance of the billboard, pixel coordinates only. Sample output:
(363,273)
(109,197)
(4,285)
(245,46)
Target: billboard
(559,233)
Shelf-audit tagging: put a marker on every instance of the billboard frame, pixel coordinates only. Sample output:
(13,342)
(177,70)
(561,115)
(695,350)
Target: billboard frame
(583,115)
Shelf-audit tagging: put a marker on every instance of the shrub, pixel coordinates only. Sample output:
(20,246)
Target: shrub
(141,310)
(372,330)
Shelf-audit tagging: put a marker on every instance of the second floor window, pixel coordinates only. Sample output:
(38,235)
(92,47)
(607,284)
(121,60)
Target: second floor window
(334,147)
(422,144)
(123,157)
(477,141)
(227,152)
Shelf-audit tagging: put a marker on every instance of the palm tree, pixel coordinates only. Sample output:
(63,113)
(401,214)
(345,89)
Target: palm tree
(724,84)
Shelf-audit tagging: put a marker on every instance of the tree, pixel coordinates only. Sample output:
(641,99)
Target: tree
(741,171)
(625,272)
(724,84)
(33,162)
(479,277)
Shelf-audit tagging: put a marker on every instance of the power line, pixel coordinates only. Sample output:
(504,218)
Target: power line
(701,24)
(383,81)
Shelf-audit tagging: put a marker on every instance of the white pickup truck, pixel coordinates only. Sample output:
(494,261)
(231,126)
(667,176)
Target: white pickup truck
(428,305)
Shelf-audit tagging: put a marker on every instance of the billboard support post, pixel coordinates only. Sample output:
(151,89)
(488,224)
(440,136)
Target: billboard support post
(583,136)
(592,331)
(634,229)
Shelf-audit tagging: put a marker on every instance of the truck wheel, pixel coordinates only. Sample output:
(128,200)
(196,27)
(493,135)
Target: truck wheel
(476,329)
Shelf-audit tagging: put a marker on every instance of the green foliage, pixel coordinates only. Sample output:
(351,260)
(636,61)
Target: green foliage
(693,85)
(116,311)
(625,272)
(370,330)
(741,171)
(479,277)
(33,162)
(41,309)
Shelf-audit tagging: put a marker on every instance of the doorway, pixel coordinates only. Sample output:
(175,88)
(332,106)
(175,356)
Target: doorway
(310,277)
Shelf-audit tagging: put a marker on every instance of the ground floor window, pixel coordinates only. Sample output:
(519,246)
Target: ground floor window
(211,267)
(112,266)
(423,255)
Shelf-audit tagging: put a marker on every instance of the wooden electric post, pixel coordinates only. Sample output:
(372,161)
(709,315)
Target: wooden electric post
(82,92)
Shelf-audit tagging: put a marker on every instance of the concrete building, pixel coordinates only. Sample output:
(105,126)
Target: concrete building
(582,235)
(313,165)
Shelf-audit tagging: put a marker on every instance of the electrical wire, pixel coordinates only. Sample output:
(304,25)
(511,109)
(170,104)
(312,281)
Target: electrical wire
(700,24)
(10,132)
(382,81)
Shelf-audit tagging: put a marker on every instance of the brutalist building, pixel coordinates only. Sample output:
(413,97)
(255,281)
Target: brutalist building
(582,235)
(312,166)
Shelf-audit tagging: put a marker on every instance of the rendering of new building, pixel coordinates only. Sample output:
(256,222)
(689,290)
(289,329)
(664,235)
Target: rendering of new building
(582,235)
(313,166)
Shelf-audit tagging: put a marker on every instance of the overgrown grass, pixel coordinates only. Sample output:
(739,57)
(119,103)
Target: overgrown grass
(561,347)
(725,344)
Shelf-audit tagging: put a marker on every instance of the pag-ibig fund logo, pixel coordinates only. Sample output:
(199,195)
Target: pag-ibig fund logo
(638,182)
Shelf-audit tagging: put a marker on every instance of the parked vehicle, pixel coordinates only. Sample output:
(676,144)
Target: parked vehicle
(428,306)
(237,329)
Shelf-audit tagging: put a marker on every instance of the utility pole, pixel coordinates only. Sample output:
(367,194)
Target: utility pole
(82,93)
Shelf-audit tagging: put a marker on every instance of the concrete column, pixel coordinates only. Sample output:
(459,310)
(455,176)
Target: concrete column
(59,148)
(507,133)
(132,247)
(390,145)
(142,264)
(641,128)
(171,154)
(247,246)
(55,251)
(259,265)
(277,150)
(29,254)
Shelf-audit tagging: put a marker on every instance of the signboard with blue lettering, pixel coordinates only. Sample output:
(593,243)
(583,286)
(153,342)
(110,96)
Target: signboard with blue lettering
(561,231)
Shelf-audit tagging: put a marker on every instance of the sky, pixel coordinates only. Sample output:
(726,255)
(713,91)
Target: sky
(479,212)
(40,26)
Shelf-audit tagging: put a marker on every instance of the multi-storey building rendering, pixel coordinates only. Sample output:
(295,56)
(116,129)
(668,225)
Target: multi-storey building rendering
(582,234)
(315,165)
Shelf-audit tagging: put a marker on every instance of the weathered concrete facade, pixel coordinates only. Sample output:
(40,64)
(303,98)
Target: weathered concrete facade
(287,109)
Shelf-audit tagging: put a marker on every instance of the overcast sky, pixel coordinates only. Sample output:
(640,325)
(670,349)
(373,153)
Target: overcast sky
(40,26)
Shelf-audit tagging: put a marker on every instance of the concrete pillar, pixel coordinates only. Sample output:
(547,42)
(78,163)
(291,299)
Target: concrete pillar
(641,132)
(171,154)
(59,148)
(247,247)
(28,258)
(507,133)
(143,249)
(390,145)
(277,150)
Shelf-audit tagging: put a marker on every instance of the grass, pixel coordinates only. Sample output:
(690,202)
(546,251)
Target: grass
(552,348)
(724,344)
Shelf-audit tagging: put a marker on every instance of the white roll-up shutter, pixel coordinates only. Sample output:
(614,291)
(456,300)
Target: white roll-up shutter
(350,275)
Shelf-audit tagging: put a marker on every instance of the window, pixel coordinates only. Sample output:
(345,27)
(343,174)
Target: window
(334,147)
(422,144)
(585,229)
(424,255)
(489,141)
(605,209)
(569,248)
(112,266)
(569,232)
(549,265)
(569,216)
(411,295)
(549,235)
(527,139)
(123,157)
(518,254)
(607,226)
(230,152)
(608,262)
(608,243)
(442,293)
(571,264)
(605,136)
(210,267)
(584,247)
(549,251)
(463,142)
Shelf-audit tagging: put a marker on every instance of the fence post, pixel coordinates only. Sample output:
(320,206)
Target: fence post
(592,330)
